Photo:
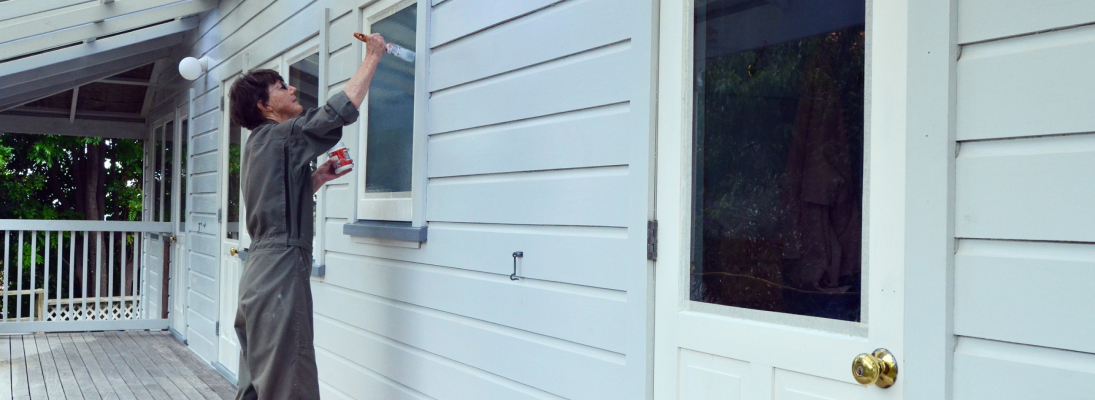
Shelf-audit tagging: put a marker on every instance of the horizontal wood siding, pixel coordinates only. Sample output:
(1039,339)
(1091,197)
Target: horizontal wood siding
(1024,272)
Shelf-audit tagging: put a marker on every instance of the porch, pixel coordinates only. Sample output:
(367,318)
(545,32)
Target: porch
(93,365)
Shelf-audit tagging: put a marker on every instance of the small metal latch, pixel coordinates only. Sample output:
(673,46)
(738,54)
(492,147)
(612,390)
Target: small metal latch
(516,255)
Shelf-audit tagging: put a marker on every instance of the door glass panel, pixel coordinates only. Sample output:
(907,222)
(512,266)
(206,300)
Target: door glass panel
(777,212)
(182,170)
(157,172)
(232,209)
(391,109)
(169,157)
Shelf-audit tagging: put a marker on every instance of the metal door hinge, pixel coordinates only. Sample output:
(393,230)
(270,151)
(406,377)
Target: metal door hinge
(222,103)
(217,328)
(219,212)
(652,240)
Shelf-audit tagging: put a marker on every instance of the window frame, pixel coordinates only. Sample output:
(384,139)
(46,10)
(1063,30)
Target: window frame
(394,206)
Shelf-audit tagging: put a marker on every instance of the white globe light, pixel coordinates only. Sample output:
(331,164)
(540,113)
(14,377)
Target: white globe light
(191,68)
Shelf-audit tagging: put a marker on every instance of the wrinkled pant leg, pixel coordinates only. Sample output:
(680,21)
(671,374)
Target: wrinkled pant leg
(276,339)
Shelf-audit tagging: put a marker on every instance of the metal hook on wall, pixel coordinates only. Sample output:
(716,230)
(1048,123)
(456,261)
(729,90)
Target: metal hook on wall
(516,254)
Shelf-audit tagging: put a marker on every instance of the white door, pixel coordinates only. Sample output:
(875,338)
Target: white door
(778,261)
(232,231)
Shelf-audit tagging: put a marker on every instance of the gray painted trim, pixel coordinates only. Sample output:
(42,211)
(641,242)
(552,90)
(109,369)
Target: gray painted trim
(226,373)
(386,230)
(319,270)
(243,254)
(83,326)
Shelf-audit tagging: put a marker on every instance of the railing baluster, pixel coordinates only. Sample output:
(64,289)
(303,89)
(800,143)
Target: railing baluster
(125,238)
(19,282)
(98,275)
(60,264)
(45,282)
(71,274)
(138,261)
(33,269)
(110,280)
(7,278)
(83,282)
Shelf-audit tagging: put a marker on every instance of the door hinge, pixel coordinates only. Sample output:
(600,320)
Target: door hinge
(652,240)
(219,212)
(222,103)
(217,328)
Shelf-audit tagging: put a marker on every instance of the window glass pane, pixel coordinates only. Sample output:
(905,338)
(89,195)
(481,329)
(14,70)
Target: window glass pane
(779,119)
(157,172)
(391,109)
(232,229)
(304,75)
(182,170)
(169,157)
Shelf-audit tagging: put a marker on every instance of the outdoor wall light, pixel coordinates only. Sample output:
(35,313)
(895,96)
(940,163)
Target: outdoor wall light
(191,68)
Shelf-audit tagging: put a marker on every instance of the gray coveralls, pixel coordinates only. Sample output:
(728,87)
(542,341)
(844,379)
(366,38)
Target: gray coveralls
(274,319)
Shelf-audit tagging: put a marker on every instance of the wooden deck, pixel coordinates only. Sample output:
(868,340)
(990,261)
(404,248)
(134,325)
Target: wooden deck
(105,365)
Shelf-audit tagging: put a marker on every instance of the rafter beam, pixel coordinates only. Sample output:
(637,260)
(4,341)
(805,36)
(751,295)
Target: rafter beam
(41,89)
(16,9)
(26,71)
(72,112)
(80,127)
(89,32)
(126,81)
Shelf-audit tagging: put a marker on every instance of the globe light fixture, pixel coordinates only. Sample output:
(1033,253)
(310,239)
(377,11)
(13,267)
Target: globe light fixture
(191,68)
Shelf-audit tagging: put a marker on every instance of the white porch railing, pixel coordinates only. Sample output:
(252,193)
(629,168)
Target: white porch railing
(80,276)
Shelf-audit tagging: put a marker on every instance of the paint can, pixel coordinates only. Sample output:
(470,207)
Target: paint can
(339,152)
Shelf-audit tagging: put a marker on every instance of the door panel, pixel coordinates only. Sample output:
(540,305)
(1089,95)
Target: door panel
(770,282)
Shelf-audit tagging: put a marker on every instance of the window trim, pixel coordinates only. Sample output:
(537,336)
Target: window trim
(397,206)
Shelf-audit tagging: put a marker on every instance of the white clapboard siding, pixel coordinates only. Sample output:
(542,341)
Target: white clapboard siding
(1026,292)
(342,32)
(587,256)
(590,79)
(553,365)
(577,314)
(524,42)
(204,143)
(204,184)
(202,203)
(1026,189)
(427,373)
(207,162)
(461,18)
(585,138)
(362,382)
(980,20)
(585,197)
(1027,86)
(986,369)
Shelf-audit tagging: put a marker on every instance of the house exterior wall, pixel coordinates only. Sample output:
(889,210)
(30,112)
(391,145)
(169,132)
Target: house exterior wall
(539,139)
(1024,268)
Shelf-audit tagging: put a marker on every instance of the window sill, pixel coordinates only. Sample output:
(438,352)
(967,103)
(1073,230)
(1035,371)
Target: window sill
(390,230)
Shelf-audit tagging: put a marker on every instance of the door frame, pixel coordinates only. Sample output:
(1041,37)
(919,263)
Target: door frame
(913,93)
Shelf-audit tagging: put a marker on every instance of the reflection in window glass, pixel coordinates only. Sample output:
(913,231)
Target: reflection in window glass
(157,172)
(779,157)
(232,227)
(182,170)
(169,157)
(391,110)
(304,75)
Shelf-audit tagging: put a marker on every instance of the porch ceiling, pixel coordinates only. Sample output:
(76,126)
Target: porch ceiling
(98,56)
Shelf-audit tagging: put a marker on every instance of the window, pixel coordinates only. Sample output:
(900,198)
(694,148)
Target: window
(387,129)
(304,75)
(182,169)
(166,177)
(232,229)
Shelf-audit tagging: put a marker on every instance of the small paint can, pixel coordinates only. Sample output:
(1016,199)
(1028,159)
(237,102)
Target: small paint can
(339,152)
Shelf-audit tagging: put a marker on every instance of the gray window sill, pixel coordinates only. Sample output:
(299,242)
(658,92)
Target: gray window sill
(390,230)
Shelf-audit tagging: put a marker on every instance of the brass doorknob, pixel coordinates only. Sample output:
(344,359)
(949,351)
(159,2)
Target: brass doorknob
(879,368)
(233,251)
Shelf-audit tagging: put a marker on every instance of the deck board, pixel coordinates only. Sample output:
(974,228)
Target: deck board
(64,369)
(49,368)
(126,365)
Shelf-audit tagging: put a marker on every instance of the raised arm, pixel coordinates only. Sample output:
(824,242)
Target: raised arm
(359,83)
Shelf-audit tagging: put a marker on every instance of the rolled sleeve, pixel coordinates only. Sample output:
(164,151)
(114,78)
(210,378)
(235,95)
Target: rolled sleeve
(342,106)
(317,130)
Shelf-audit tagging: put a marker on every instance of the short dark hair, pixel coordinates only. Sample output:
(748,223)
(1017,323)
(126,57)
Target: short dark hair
(248,91)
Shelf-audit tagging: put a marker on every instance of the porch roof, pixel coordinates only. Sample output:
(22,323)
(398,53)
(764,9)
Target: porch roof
(89,60)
